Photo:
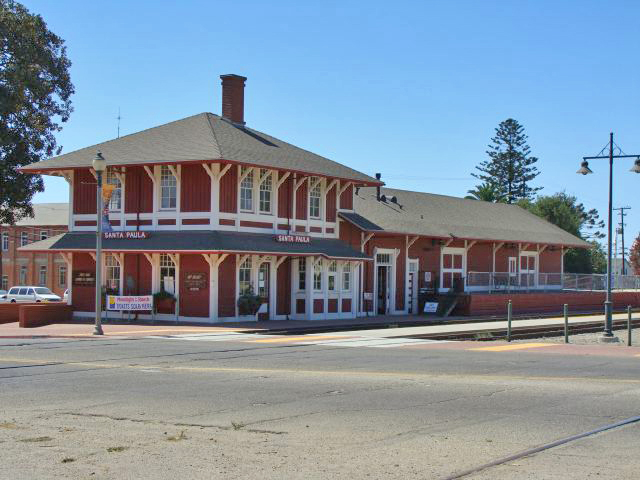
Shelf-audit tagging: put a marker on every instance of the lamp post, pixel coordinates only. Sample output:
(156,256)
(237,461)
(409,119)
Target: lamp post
(99,165)
(584,169)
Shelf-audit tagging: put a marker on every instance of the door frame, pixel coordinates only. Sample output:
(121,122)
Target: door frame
(391,275)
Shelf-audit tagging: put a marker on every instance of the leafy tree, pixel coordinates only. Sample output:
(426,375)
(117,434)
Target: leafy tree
(634,256)
(35,92)
(485,192)
(567,213)
(510,168)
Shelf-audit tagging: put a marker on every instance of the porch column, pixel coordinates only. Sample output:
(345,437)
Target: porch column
(273,284)
(308,293)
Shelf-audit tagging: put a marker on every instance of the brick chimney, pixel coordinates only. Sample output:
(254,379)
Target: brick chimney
(233,98)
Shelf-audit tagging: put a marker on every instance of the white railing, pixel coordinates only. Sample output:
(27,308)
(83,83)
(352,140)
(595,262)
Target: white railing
(505,281)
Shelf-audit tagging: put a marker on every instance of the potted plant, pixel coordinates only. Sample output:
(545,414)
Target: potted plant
(164,302)
(248,303)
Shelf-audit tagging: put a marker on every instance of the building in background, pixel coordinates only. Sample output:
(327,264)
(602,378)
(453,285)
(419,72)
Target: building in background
(34,268)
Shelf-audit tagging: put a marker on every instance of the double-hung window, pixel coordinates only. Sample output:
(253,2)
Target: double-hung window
(24,239)
(168,189)
(42,276)
(5,242)
(246,190)
(332,276)
(112,272)
(317,276)
(23,275)
(115,202)
(314,197)
(346,276)
(244,277)
(302,274)
(266,187)
(167,274)
(44,234)
(62,276)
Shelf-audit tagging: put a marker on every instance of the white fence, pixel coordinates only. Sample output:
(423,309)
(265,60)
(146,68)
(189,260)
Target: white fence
(505,281)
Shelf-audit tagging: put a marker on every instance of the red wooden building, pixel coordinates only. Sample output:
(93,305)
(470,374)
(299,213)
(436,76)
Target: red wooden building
(227,208)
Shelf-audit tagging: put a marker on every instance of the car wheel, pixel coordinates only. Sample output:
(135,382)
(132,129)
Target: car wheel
(13,301)
(38,301)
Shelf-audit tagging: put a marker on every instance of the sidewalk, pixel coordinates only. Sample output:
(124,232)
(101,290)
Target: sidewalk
(383,326)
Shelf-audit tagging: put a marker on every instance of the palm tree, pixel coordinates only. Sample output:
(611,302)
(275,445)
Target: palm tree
(487,193)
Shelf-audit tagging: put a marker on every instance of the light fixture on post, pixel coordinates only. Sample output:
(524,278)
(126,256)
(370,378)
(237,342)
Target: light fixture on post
(99,165)
(607,335)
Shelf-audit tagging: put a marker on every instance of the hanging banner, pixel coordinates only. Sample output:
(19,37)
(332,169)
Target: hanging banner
(130,303)
(107,191)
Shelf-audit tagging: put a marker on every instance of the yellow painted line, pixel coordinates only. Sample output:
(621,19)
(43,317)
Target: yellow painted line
(309,338)
(515,346)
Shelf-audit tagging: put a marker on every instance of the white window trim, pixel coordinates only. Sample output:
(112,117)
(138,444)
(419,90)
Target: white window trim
(5,241)
(463,271)
(318,182)
(260,181)
(175,171)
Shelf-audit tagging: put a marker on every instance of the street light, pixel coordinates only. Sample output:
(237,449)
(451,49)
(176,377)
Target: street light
(99,165)
(607,335)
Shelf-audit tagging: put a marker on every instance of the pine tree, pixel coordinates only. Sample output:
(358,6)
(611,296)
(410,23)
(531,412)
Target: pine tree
(510,168)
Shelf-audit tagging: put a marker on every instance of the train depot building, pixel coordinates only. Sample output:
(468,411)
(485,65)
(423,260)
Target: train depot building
(206,208)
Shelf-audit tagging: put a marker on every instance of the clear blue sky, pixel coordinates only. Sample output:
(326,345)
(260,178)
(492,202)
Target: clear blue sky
(410,89)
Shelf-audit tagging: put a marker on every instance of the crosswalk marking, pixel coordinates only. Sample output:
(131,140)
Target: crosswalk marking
(515,346)
(311,339)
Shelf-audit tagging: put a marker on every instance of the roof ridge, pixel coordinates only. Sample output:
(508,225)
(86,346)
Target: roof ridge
(213,132)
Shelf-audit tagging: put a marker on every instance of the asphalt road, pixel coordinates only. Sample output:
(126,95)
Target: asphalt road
(156,408)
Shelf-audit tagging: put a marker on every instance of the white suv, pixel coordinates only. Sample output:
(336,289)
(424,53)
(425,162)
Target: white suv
(31,294)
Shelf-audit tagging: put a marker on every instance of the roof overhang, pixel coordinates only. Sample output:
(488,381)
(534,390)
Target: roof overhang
(197,242)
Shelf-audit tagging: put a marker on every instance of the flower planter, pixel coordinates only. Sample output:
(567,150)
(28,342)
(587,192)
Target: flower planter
(166,305)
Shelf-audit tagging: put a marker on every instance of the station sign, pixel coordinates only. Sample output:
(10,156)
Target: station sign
(83,278)
(293,239)
(134,235)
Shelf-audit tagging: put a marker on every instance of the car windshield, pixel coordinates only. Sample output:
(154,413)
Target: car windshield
(42,291)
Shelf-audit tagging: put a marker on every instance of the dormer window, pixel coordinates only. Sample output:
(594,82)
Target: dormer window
(168,189)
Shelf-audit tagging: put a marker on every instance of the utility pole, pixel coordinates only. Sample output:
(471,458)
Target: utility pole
(622,215)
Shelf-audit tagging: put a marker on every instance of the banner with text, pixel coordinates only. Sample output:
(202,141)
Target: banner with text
(130,303)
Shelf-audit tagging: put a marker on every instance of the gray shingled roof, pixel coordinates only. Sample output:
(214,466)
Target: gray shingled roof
(200,241)
(203,137)
(442,216)
(46,214)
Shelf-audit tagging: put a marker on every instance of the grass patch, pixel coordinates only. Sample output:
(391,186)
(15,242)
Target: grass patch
(116,449)
(37,439)
(238,425)
(8,425)
(177,438)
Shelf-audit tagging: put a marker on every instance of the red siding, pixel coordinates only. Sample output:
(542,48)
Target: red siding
(346,305)
(83,298)
(479,258)
(84,192)
(229,191)
(196,197)
(166,221)
(227,287)
(300,305)
(194,221)
(284,288)
(550,261)
(137,275)
(350,234)
(332,306)
(244,223)
(331,204)
(346,199)
(193,303)
(284,198)
(301,202)
(138,191)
